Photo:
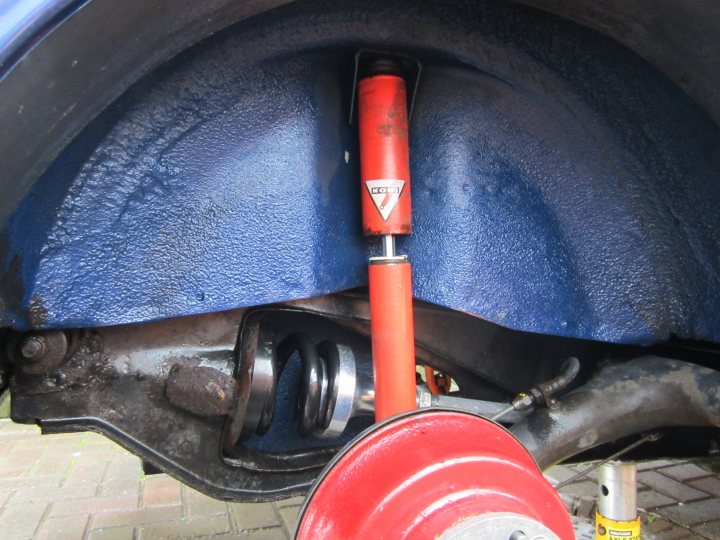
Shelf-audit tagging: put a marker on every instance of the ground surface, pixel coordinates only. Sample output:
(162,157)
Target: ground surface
(78,486)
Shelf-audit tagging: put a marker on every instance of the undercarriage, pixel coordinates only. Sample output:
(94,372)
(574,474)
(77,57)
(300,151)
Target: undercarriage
(272,248)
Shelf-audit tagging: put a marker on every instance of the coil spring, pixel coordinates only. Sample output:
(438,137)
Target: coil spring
(318,390)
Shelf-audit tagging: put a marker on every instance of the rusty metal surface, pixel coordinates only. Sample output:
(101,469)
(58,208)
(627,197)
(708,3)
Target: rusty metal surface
(202,390)
(644,394)
(175,392)
(119,389)
(162,390)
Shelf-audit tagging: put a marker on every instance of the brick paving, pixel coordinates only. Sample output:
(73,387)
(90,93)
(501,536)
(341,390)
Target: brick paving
(677,499)
(83,486)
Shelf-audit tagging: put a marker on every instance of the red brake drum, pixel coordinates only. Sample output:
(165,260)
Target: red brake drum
(427,474)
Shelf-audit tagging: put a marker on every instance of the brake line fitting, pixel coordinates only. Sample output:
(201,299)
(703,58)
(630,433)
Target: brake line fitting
(542,394)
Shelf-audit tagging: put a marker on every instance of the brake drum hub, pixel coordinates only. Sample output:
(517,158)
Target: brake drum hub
(434,474)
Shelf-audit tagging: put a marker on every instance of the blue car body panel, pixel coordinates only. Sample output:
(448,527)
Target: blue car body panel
(561,185)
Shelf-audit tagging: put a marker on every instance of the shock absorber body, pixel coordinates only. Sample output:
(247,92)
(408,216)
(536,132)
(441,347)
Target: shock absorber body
(386,208)
(473,481)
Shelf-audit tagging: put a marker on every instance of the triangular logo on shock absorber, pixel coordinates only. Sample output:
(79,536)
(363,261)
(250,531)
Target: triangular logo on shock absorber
(385,194)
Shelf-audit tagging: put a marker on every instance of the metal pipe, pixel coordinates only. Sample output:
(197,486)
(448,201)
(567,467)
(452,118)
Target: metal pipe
(644,394)
(616,515)
(480,407)
(388,246)
(617,491)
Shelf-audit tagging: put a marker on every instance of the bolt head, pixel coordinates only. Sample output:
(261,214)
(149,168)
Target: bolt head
(32,347)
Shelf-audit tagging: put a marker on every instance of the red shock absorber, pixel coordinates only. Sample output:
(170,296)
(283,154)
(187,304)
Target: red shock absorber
(385,177)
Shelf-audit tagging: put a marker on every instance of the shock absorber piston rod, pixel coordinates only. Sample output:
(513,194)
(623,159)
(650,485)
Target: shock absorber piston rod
(385,192)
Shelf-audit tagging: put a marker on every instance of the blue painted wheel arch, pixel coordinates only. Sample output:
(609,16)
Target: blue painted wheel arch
(561,185)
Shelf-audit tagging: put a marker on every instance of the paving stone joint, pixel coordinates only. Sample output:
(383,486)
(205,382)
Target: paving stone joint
(83,486)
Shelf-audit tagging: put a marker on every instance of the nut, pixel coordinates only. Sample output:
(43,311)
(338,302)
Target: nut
(33,347)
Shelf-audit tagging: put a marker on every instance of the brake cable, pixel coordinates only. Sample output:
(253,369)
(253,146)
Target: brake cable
(650,437)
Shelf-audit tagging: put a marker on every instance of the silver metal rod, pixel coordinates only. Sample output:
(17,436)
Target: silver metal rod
(388,245)
(507,410)
(488,409)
